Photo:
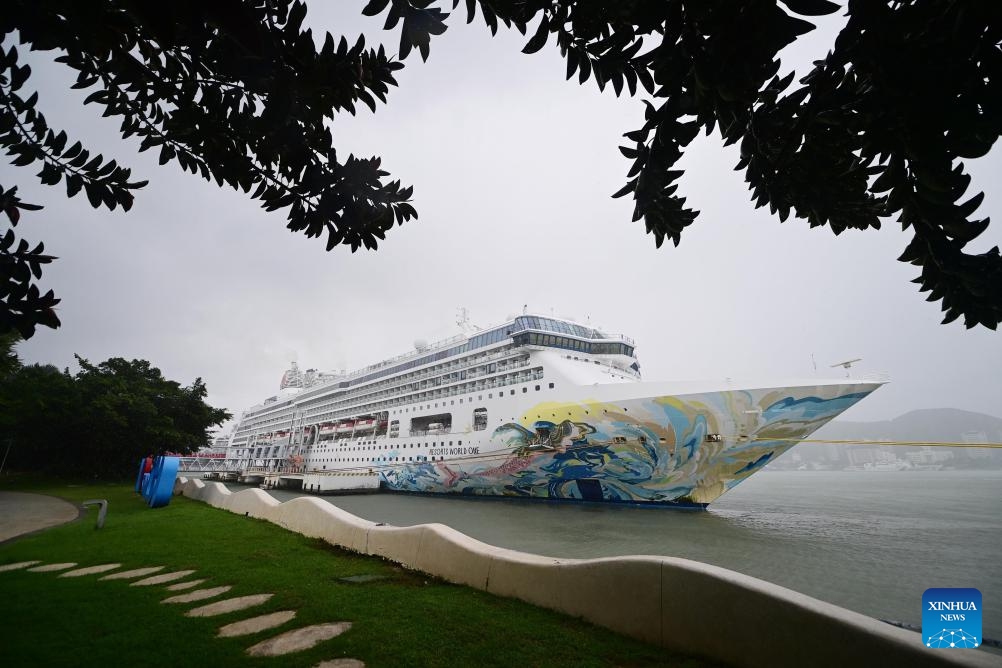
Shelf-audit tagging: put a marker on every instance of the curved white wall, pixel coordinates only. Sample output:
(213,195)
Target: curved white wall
(680,604)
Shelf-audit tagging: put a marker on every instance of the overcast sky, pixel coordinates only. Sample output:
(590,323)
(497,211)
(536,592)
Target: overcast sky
(513,169)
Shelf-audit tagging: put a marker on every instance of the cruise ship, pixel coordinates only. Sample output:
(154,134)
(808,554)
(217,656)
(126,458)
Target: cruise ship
(538,407)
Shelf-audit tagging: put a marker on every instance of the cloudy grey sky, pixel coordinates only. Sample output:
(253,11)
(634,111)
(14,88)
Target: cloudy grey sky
(512,168)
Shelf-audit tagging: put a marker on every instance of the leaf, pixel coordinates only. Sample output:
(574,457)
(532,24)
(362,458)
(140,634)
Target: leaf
(50,174)
(94,192)
(18,75)
(628,188)
(58,142)
(73,184)
(966,209)
(167,153)
(539,39)
(375,7)
(26,158)
(73,151)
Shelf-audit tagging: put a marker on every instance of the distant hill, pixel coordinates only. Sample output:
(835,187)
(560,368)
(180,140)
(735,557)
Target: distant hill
(932,424)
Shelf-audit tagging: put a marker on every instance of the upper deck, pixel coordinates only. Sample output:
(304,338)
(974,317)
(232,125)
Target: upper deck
(522,330)
(525,348)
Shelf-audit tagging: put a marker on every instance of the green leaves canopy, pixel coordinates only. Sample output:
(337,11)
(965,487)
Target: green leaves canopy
(878,129)
(102,420)
(235,92)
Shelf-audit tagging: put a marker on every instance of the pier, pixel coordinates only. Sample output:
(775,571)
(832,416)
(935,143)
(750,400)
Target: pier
(290,477)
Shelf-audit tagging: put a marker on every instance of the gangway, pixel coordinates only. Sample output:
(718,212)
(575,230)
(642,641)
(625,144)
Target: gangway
(206,464)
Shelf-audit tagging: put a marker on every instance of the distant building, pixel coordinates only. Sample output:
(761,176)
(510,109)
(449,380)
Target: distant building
(976,437)
(884,456)
(860,456)
(929,455)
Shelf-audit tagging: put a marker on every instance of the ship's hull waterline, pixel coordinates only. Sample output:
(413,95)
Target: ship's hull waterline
(672,450)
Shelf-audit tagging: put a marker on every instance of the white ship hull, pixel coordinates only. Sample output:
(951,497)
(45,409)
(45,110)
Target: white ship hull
(684,449)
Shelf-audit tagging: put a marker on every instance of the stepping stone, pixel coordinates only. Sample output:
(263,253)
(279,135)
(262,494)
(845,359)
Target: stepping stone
(181,586)
(255,624)
(18,564)
(48,568)
(162,578)
(229,605)
(298,639)
(135,573)
(90,570)
(197,595)
(341,663)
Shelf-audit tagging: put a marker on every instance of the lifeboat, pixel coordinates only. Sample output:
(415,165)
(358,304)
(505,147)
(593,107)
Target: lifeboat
(365,424)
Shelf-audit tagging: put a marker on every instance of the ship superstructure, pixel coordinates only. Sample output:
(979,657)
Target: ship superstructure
(537,407)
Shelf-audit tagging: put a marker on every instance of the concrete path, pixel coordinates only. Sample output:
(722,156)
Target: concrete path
(22,513)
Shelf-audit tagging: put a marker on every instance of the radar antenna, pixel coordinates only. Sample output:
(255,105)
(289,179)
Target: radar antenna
(847,365)
(463,320)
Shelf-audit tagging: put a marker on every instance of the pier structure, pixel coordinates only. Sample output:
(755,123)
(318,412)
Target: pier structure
(279,473)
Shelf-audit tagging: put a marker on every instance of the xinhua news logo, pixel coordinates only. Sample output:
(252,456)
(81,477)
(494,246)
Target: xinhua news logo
(951,618)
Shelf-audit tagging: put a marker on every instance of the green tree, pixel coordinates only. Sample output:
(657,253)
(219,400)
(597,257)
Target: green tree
(104,419)
(40,420)
(9,361)
(239,93)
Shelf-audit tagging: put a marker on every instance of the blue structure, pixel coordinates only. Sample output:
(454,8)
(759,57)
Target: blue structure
(158,486)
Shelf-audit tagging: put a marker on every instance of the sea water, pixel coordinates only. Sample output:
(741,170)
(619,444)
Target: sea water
(872,542)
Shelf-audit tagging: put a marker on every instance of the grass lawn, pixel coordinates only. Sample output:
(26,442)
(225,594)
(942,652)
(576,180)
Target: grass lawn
(402,619)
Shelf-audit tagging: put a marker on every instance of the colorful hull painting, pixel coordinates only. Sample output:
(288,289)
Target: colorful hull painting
(674,450)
